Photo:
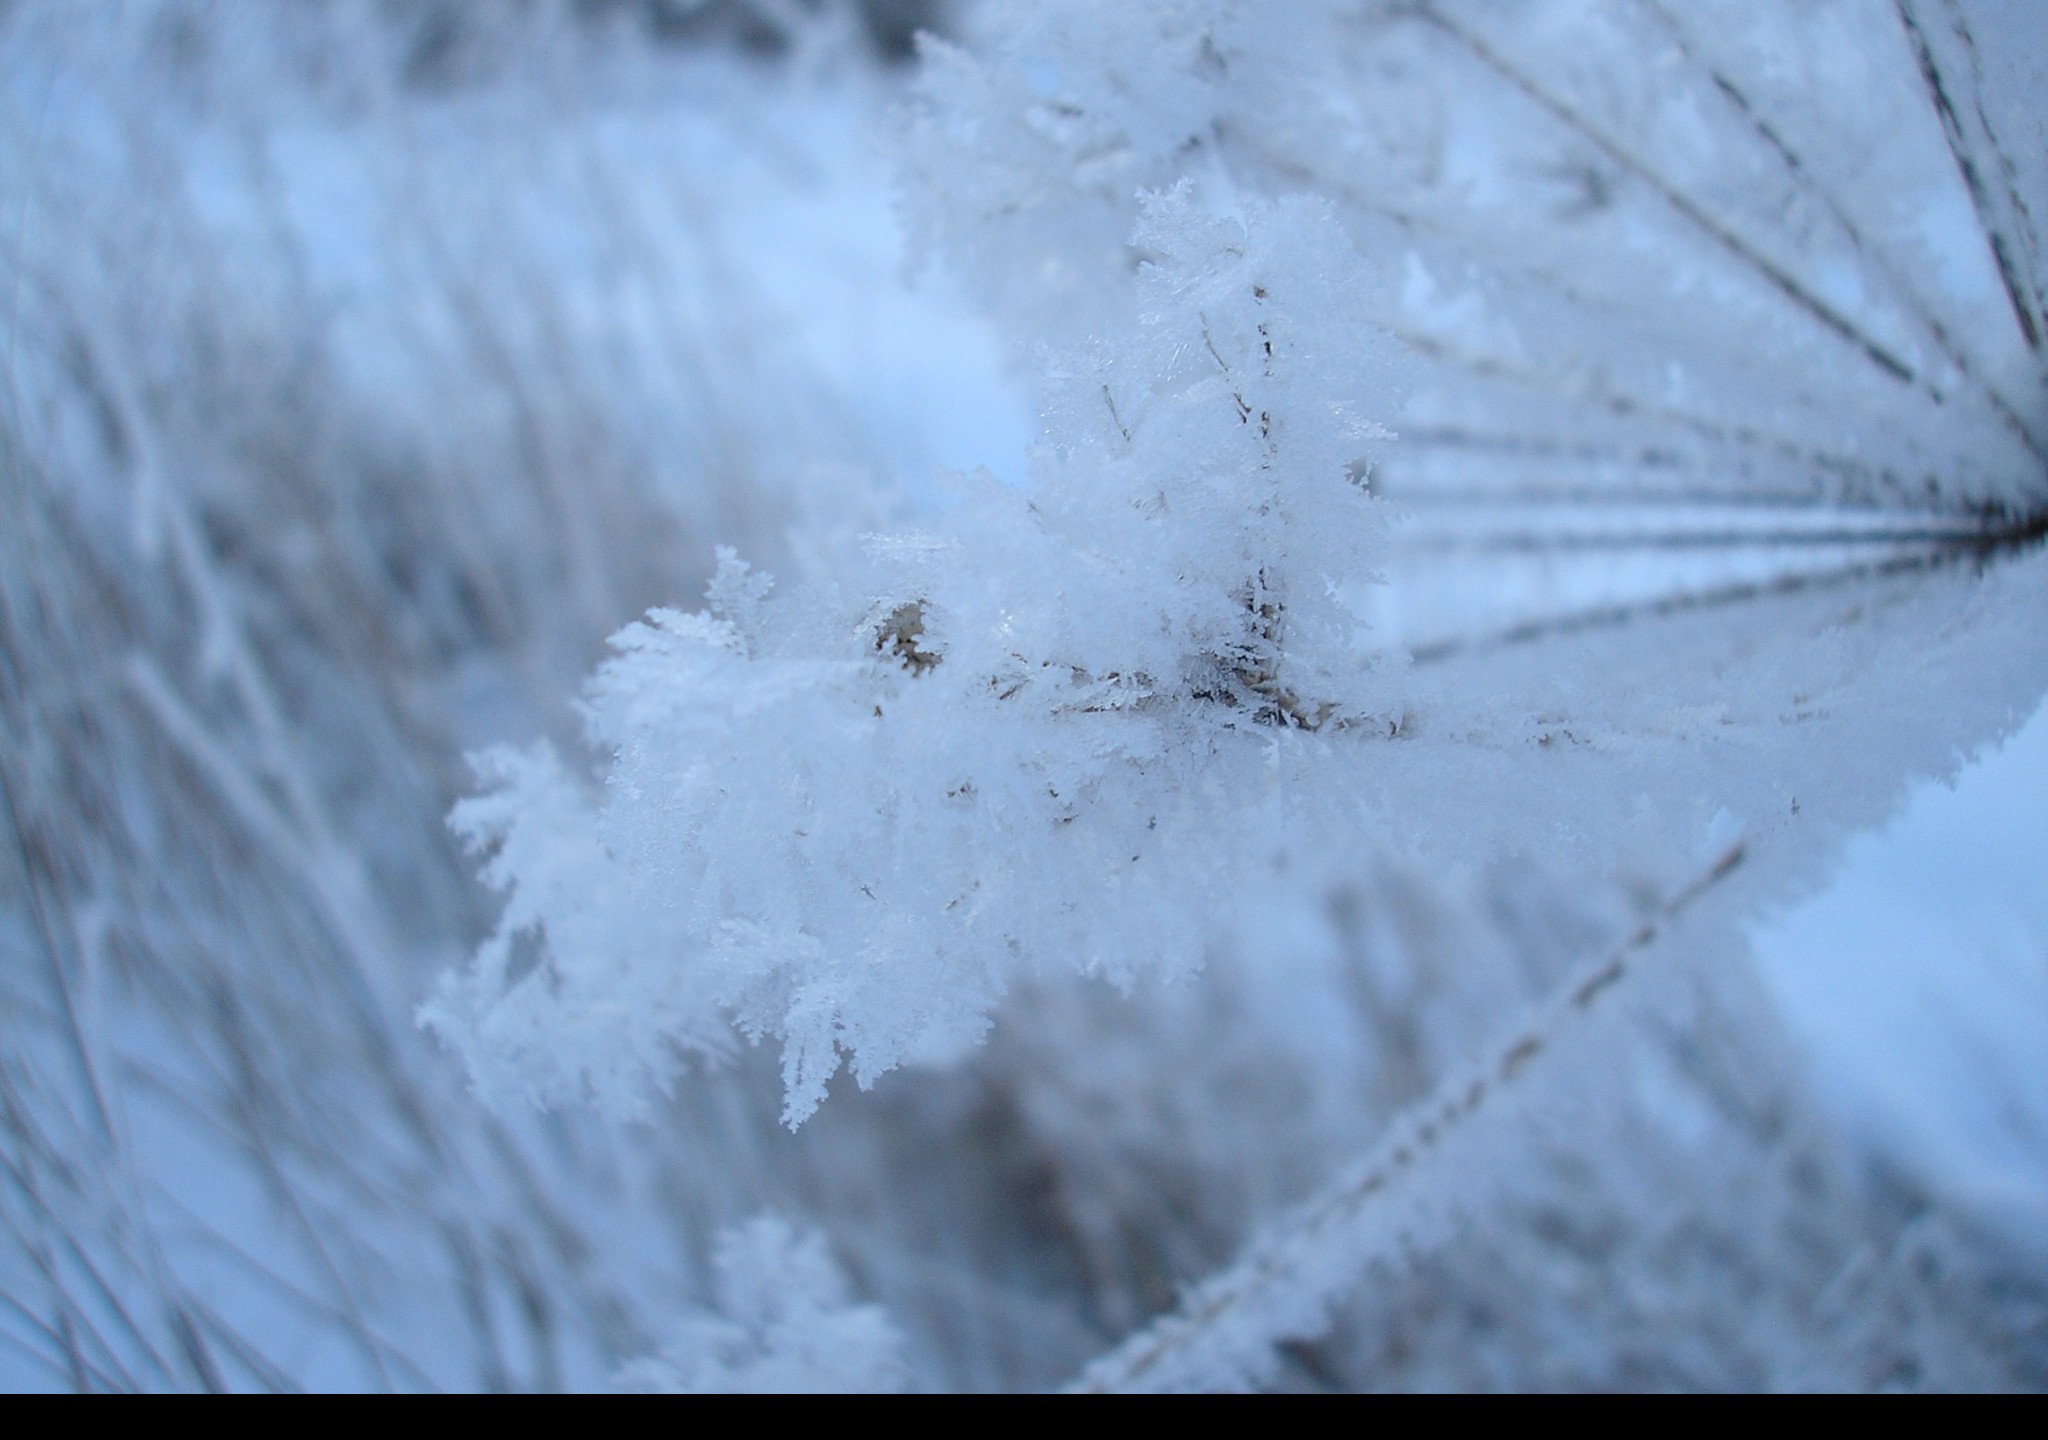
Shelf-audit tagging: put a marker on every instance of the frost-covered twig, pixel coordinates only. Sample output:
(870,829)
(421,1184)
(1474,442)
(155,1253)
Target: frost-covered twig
(1950,66)
(1739,592)
(1870,256)
(1222,1335)
(1781,279)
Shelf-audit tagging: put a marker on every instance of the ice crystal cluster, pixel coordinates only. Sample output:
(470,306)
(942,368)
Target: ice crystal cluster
(1028,735)
(784,1325)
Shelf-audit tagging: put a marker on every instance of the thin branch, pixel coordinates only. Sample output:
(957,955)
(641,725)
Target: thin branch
(1533,542)
(1288,1278)
(1777,275)
(1988,173)
(1592,390)
(1739,593)
(1870,256)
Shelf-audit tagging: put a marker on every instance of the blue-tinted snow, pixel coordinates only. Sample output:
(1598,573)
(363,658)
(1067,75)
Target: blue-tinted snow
(1918,982)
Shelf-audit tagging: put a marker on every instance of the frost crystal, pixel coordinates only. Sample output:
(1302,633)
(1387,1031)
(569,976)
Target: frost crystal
(784,1326)
(1023,733)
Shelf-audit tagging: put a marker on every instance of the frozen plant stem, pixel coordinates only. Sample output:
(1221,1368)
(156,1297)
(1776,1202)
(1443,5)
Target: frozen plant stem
(1988,172)
(1283,1285)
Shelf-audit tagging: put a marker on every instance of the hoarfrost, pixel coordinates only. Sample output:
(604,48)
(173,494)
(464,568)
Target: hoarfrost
(784,1326)
(1050,713)
(1496,464)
